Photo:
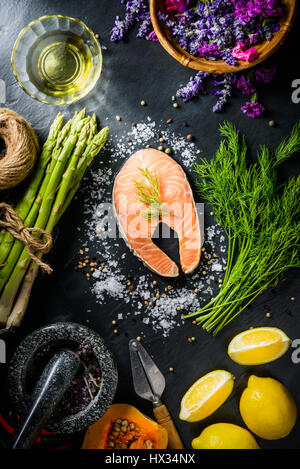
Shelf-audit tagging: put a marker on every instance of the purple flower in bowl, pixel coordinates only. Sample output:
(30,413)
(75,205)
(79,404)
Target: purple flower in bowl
(176,5)
(208,49)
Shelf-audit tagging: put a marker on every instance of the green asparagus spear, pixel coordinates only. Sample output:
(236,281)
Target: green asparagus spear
(27,200)
(93,149)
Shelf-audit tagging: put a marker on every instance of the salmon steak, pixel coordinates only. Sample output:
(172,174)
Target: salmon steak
(137,220)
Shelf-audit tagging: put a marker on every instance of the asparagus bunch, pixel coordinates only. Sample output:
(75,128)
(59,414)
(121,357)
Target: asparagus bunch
(66,155)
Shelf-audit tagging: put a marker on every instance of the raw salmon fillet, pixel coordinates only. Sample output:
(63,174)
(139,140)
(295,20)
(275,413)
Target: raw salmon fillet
(176,194)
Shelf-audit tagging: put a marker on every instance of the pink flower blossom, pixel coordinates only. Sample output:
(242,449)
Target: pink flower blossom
(176,5)
(241,52)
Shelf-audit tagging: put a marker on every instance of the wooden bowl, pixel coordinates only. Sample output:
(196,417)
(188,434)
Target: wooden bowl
(264,49)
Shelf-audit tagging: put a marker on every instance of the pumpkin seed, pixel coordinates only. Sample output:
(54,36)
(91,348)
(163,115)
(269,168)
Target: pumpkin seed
(148,444)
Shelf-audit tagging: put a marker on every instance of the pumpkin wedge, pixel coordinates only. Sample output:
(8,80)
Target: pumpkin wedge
(125,427)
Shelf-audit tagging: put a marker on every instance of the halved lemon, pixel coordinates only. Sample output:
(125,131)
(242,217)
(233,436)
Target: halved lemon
(206,395)
(259,345)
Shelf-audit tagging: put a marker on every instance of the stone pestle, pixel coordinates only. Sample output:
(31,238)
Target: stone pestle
(52,385)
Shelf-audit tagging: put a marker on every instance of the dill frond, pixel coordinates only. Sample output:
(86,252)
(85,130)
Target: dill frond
(259,216)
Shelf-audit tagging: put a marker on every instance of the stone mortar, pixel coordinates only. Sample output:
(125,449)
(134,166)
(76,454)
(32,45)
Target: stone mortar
(22,361)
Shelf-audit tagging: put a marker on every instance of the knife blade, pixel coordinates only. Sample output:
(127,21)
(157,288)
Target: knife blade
(149,383)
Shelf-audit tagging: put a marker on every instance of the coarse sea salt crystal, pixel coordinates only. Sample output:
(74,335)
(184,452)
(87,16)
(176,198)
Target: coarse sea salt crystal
(216,267)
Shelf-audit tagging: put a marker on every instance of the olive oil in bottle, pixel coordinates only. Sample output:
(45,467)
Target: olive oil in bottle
(59,63)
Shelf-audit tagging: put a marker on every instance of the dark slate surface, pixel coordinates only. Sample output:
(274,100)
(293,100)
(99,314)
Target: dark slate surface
(133,71)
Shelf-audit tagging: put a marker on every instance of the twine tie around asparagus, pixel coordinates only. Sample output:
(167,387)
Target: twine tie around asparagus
(11,222)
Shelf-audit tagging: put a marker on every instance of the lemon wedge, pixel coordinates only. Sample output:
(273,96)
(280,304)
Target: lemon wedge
(206,395)
(259,345)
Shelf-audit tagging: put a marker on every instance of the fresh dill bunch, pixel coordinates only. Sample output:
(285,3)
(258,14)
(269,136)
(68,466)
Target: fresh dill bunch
(259,216)
(149,194)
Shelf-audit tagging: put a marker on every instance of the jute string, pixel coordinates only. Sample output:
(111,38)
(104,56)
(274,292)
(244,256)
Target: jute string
(11,222)
(21,148)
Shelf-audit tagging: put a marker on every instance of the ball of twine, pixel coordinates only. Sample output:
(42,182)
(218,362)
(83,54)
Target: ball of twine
(21,148)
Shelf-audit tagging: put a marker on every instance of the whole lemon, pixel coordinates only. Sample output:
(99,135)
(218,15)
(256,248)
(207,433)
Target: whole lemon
(225,436)
(267,408)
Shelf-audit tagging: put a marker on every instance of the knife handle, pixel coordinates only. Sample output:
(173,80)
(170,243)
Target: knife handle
(165,420)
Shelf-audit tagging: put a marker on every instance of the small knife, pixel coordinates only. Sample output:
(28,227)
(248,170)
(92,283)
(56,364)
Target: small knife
(149,383)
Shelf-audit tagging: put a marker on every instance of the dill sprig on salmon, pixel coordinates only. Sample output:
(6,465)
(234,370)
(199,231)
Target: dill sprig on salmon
(149,194)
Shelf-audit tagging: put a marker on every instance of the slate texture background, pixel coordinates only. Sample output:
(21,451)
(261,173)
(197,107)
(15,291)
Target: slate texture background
(135,70)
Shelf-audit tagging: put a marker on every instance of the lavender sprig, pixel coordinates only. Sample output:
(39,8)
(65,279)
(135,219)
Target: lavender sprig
(135,10)
(194,87)
(224,94)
